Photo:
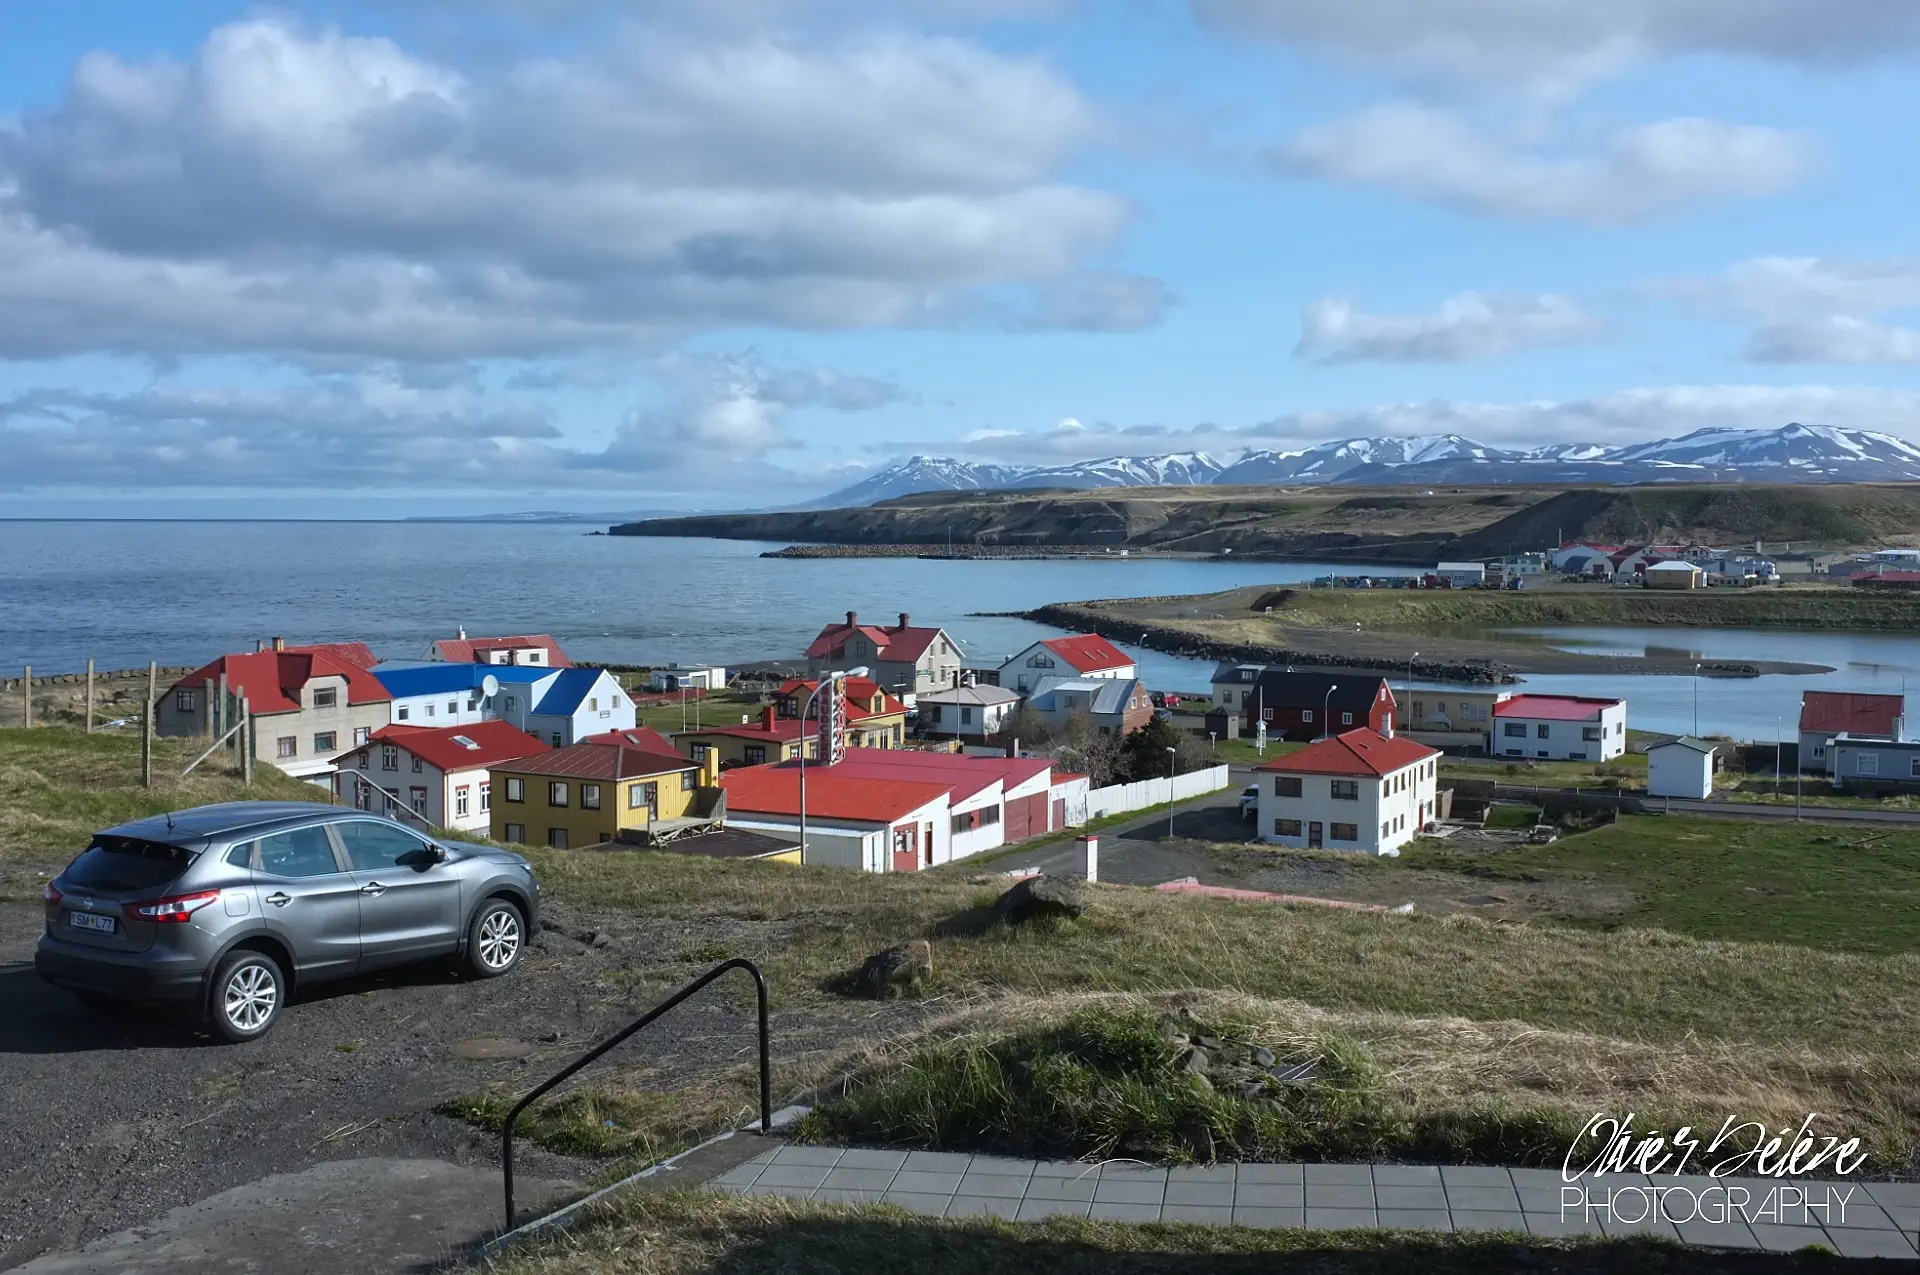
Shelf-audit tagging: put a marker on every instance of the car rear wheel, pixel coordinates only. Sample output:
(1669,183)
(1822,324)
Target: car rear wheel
(495,938)
(248,991)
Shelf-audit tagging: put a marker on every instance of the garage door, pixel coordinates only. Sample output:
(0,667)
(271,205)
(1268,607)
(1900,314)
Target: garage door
(1019,821)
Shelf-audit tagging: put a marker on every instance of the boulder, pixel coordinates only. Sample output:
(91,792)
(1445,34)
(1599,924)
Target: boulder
(1042,896)
(895,971)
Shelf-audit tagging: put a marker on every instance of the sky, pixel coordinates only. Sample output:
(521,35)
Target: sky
(365,258)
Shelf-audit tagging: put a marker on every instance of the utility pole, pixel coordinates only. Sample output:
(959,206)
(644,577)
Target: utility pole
(146,726)
(1173,755)
(89,695)
(26,698)
(246,742)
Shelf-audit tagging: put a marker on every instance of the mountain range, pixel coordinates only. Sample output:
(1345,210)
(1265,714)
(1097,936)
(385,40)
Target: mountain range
(1792,453)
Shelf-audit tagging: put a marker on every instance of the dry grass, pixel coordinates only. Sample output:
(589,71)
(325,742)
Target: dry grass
(1451,1089)
(60,785)
(685,1233)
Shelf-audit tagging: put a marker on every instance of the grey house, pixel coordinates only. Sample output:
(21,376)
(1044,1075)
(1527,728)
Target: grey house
(1874,765)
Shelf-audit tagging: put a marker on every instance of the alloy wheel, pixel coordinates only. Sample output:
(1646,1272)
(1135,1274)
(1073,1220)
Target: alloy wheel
(250,997)
(499,938)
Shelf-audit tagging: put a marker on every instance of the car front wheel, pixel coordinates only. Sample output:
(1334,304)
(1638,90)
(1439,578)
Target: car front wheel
(248,991)
(495,939)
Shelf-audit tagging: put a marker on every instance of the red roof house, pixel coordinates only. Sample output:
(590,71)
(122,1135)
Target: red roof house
(904,658)
(1357,790)
(1555,708)
(1828,713)
(309,704)
(1081,655)
(645,738)
(527,648)
(1357,752)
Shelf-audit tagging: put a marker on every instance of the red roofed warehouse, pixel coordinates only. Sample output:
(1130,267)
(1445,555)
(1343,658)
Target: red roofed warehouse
(1559,728)
(309,704)
(1082,655)
(900,657)
(536,649)
(1358,791)
(1825,714)
(440,773)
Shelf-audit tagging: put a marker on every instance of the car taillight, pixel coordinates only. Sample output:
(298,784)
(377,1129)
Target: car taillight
(51,896)
(177,909)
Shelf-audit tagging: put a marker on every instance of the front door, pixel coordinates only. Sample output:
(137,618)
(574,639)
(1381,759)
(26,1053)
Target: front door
(311,903)
(906,853)
(409,902)
(1313,835)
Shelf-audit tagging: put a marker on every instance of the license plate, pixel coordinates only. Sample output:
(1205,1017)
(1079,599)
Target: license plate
(88,921)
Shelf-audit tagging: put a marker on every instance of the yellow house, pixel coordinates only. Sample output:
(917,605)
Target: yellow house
(765,740)
(875,719)
(591,793)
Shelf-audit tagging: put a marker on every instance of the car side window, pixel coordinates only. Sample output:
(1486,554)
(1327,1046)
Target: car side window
(299,852)
(378,847)
(241,856)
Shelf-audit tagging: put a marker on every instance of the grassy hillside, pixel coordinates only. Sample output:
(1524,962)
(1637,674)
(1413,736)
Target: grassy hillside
(1346,523)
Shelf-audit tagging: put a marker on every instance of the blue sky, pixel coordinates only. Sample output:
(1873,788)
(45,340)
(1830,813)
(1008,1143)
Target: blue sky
(422,256)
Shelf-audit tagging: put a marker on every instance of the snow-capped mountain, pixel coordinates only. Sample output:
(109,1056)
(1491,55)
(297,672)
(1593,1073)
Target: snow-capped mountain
(1792,453)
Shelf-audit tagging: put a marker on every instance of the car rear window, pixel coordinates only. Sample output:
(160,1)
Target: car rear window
(126,863)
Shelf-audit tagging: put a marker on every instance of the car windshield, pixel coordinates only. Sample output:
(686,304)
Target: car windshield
(126,863)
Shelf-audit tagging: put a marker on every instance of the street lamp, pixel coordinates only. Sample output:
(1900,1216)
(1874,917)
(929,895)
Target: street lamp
(1406,716)
(826,680)
(1696,701)
(1172,753)
(1326,713)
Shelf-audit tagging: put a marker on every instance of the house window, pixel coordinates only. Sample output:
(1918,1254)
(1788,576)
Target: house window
(1516,752)
(756,754)
(419,801)
(589,796)
(183,701)
(700,752)
(513,702)
(325,697)
(1345,790)
(1346,719)
(1286,785)
(1542,731)
(361,734)
(1576,756)
(516,790)
(286,746)
(557,838)
(593,704)
(486,797)
(516,833)
(323,741)
(686,781)
(966,716)
(556,793)
(389,757)
(1386,830)
(1590,733)
(1514,730)
(1914,767)
(453,708)
(1306,714)
(462,796)
(1343,831)
(401,713)
(416,763)
(364,760)
(1286,827)
(429,710)
(642,796)
(1866,763)
(555,737)
(1543,753)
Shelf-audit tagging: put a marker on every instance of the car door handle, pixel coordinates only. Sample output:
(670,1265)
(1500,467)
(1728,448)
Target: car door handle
(279,899)
(373,888)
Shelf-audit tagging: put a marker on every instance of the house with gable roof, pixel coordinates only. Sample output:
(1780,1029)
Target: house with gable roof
(310,704)
(536,649)
(438,772)
(903,658)
(562,706)
(1827,715)
(1078,655)
(1357,791)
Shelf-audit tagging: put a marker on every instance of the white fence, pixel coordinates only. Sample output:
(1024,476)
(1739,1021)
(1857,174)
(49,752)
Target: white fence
(1120,798)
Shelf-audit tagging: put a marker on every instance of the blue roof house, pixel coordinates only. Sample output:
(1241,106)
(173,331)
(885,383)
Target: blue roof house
(562,706)
(439,694)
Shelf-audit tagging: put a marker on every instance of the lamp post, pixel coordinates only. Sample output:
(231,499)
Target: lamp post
(1326,713)
(1172,753)
(1406,717)
(826,680)
(1777,746)
(1696,701)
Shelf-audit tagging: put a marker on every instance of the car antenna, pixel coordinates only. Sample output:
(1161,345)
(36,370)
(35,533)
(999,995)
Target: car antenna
(169,821)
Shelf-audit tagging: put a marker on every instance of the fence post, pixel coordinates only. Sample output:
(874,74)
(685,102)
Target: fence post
(26,698)
(89,695)
(246,742)
(146,726)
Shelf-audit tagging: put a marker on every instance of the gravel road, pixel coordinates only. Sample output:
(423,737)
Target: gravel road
(113,1119)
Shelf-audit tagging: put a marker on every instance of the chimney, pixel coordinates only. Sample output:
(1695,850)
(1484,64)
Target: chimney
(462,631)
(903,619)
(258,646)
(851,618)
(766,719)
(710,769)
(279,643)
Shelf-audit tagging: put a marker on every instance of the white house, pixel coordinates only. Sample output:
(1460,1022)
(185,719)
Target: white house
(536,649)
(1358,791)
(1559,728)
(1462,575)
(683,677)
(439,694)
(1082,655)
(1233,684)
(440,773)
(562,706)
(899,826)
(1681,767)
(967,712)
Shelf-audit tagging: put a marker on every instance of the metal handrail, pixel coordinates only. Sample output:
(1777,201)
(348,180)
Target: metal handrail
(766,1074)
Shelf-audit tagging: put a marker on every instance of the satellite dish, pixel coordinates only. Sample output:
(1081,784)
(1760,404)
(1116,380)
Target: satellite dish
(489,686)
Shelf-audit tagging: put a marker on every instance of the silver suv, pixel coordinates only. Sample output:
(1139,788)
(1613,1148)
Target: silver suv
(226,909)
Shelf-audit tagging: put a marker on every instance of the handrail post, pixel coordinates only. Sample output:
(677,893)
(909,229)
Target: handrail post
(539,1091)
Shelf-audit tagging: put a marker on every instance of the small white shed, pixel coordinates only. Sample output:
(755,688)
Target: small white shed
(1462,575)
(1681,767)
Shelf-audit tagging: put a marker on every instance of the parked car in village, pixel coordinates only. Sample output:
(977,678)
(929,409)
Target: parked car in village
(224,911)
(1249,801)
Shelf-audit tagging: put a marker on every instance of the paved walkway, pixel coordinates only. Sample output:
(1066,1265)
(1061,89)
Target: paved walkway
(1875,1220)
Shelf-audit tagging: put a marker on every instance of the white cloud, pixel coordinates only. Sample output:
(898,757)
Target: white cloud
(299,190)
(1466,327)
(1418,152)
(1561,43)
(1812,309)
